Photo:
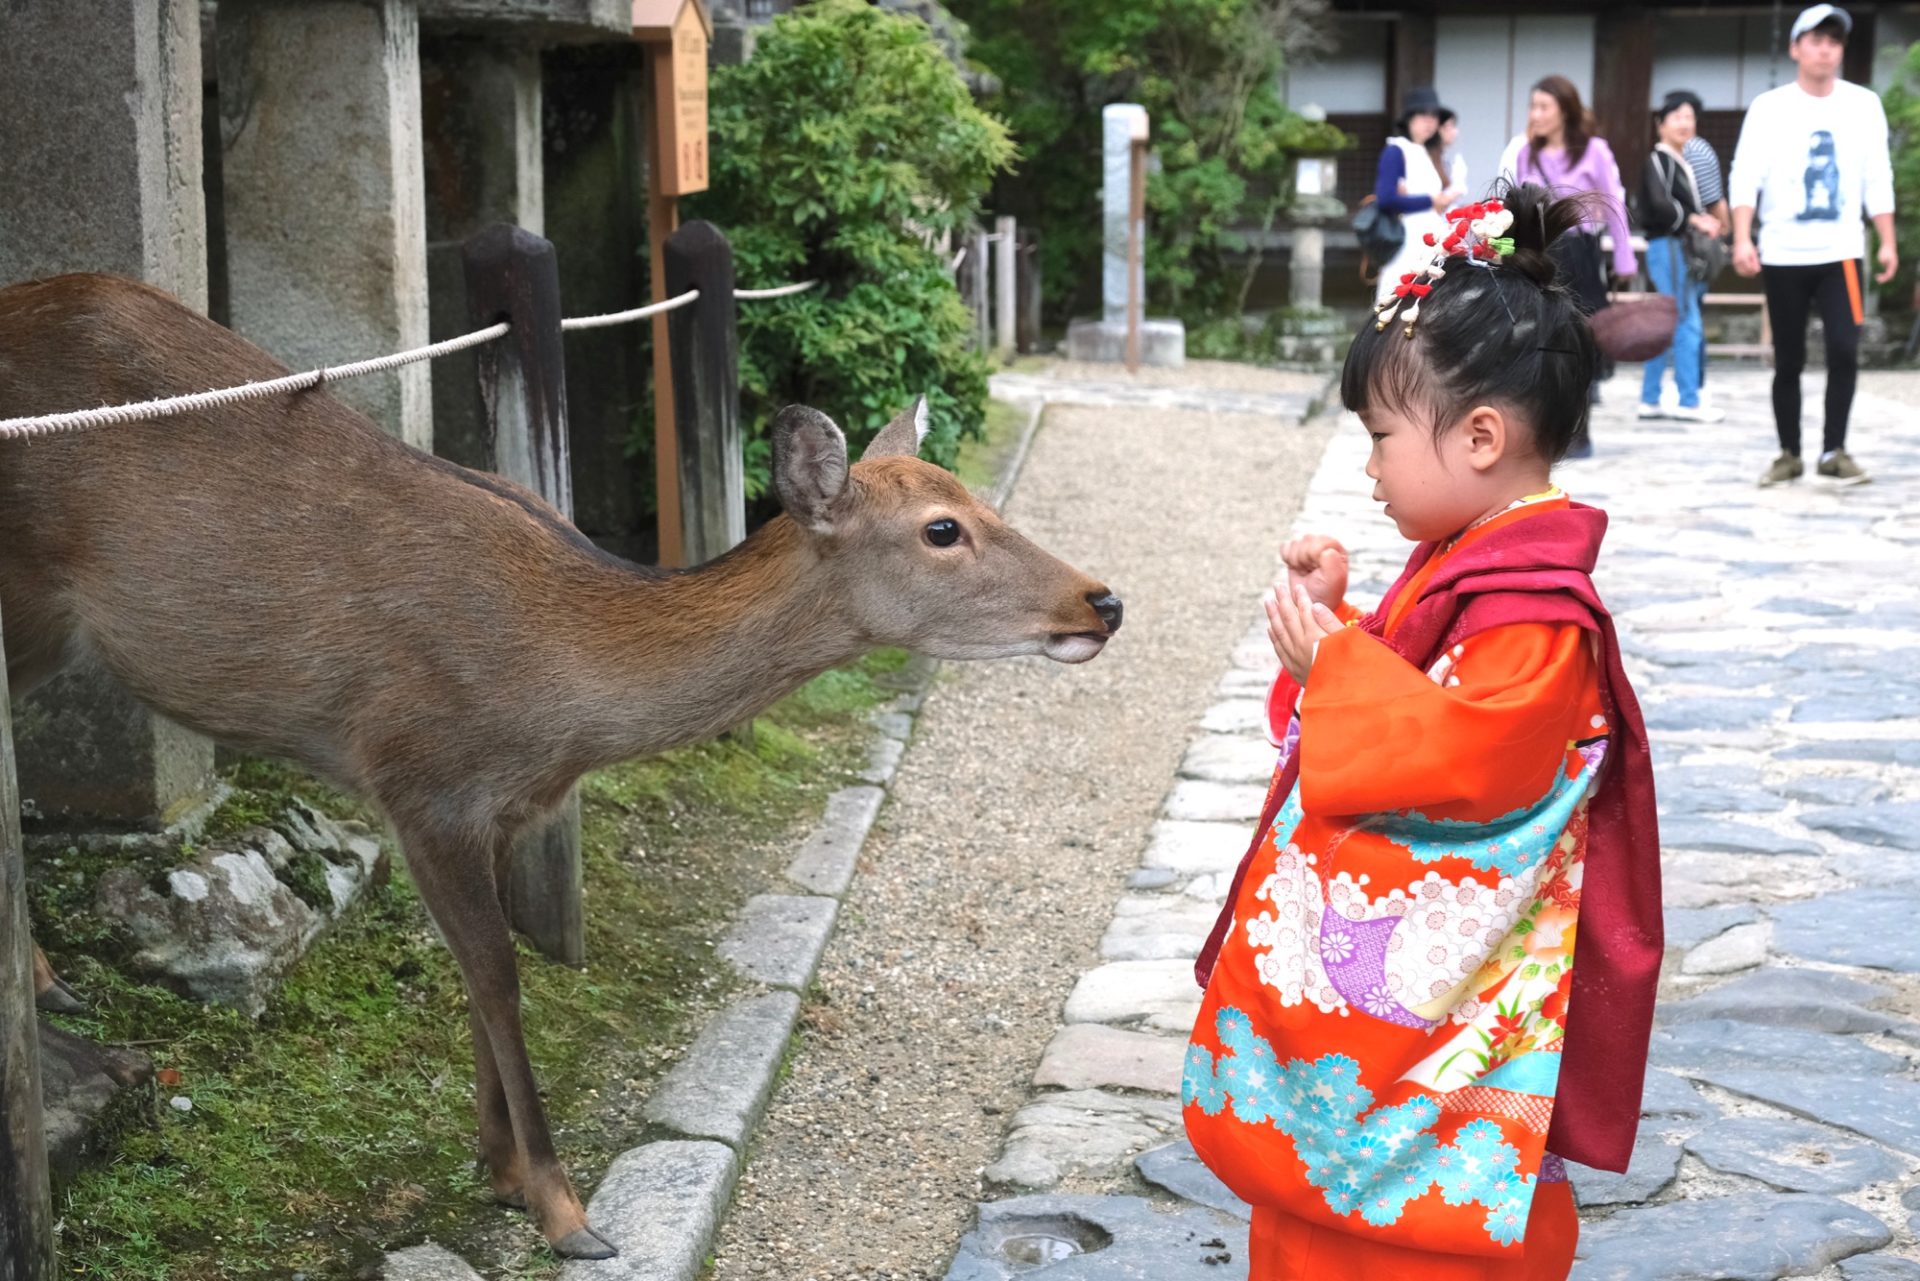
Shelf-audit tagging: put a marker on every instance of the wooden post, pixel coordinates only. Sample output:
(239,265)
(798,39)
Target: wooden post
(1136,227)
(978,270)
(513,275)
(1029,277)
(663,219)
(26,1200)
(1006,249)
(677,34)
(705,346)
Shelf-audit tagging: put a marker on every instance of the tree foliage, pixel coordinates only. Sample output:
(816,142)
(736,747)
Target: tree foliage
(1901,99)
(844,151)
(1207,72)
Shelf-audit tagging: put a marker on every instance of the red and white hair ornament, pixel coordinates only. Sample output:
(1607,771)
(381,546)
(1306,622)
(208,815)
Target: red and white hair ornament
(1478,237)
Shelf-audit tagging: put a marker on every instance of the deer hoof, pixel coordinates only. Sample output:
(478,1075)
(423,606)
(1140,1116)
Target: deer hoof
(583,1243)
(59,999)
(514,1198)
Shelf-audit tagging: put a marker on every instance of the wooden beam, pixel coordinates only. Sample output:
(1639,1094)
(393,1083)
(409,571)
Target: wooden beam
(1410,59)
(548,21)
(1622,87)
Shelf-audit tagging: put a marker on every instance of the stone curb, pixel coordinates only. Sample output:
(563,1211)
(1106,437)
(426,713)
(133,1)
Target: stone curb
(825,862)
(720,1087)
(779,938)
(659,1205)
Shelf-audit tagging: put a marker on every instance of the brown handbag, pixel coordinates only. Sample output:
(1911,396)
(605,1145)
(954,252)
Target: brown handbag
(1637,330)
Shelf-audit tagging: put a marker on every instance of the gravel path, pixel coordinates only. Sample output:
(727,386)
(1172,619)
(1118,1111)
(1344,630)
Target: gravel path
(1022,805)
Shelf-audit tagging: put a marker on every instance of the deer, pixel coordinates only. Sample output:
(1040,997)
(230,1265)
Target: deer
(288,579)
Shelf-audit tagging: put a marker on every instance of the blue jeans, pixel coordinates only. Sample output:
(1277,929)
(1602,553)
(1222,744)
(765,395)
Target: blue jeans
(1667,269)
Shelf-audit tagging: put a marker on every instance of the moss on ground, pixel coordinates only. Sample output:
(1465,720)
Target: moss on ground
(984,458)
(340,1124)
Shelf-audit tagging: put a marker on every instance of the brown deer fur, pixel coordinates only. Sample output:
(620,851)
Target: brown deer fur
(287,579)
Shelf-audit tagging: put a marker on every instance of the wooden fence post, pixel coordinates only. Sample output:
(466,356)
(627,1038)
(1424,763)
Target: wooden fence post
(26,1204)
(979,268)
(513,275)
(705,342)
(1029,287)
(1006,250)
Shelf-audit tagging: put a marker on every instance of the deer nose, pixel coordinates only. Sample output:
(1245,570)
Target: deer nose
(1107,605)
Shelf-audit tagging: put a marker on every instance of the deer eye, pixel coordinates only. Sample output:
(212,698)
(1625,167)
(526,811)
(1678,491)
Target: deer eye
(943,533)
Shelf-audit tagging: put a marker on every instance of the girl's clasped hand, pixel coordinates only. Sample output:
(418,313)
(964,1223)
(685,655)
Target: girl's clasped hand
(1301,614)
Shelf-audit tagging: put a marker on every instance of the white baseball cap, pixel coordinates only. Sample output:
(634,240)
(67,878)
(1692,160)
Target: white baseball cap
(1813,15)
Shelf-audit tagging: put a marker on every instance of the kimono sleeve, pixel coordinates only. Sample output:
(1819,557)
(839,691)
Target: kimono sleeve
(1283,696)
(1482,736)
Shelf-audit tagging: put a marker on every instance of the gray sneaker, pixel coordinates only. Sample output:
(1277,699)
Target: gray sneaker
(1841,469)
(1786,467)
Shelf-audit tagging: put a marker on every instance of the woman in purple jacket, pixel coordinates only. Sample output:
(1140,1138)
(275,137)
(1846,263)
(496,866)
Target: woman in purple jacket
(1412,183)
(1560,152)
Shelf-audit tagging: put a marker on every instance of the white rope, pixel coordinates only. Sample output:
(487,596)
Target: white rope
(623,317)
(780,291)
(167,407)
(110,415)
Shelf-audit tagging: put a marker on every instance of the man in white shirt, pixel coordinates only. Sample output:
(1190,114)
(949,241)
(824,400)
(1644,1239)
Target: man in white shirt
(1813,157)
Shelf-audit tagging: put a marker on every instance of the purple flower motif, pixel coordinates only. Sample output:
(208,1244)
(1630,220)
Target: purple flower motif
(1336,946)
(1379,1002)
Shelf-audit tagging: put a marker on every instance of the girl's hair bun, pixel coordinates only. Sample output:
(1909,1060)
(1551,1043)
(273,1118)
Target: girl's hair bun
(1509,334)
(1538,221)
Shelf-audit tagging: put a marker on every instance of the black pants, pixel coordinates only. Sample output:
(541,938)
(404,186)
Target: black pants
(1792,295)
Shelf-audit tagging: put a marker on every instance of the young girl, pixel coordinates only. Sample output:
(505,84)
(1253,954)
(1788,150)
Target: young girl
(1399,1040)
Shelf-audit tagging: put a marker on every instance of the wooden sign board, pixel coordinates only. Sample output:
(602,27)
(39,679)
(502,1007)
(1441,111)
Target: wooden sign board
(680,33)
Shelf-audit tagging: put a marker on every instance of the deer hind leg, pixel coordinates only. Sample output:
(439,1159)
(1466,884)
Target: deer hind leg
(50,991)
(468,911)
(506,1164)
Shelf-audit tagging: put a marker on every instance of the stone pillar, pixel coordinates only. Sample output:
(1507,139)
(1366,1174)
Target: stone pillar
(480,116)
(1119,123)
(1162,342)
(1308,268)
(321,158)
(101,172)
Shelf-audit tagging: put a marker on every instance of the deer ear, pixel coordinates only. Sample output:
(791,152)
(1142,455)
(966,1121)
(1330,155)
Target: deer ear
(901,438)
(809,465)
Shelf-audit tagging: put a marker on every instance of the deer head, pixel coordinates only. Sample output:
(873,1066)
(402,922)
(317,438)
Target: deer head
(920,562)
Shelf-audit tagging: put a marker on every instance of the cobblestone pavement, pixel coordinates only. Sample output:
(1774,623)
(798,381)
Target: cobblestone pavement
(1773,637)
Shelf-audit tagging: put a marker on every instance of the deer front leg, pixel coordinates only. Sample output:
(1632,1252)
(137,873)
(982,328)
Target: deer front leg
(462,899)
(50,991)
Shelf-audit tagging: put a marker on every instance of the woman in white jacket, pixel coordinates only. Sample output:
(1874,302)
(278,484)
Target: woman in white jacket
(1412,184)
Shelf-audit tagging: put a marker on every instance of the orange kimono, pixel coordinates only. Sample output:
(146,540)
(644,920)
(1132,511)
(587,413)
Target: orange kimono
(1375,1061)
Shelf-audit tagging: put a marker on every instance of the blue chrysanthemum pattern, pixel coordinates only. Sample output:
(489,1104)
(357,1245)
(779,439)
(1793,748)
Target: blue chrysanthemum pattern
(1370,1164)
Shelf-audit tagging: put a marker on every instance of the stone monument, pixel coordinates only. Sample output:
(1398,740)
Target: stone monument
(1307,330)
(1162,342)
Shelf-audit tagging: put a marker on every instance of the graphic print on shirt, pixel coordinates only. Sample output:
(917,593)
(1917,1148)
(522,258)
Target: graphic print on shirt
(1821,180)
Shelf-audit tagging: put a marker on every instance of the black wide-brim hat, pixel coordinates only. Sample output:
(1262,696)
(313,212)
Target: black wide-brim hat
(1421,100)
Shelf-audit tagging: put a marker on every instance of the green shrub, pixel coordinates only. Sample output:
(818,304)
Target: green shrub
(1902,102)
(844,151)
(1206,71)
